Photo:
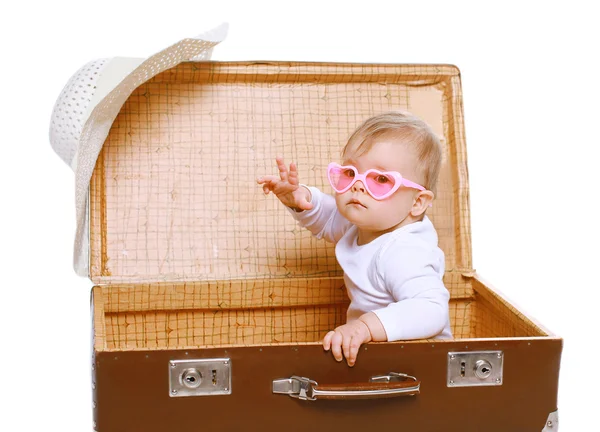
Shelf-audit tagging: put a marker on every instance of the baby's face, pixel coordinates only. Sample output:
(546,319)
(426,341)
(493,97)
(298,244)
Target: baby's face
(378,216)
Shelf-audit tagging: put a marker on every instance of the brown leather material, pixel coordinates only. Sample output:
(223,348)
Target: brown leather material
(132,390)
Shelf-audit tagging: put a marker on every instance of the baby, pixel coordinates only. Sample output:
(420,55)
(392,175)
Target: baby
(385,243)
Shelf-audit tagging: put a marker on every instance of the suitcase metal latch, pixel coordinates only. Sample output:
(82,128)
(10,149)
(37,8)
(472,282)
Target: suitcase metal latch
(475,368)
(201,377)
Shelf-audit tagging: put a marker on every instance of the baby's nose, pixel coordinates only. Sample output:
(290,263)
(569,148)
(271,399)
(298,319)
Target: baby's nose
(358,186)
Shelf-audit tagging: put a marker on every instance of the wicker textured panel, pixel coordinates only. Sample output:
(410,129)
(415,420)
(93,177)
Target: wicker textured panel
(176,329)
(98,319)
(487,322)
(496,317)
(173,196)
(237,294)
(180,329)
(238,327)
(226,295)
(458,285)
(460,318)
(169,317)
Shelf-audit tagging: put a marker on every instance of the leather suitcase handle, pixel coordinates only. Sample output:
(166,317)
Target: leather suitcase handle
(386,386)
(366,390)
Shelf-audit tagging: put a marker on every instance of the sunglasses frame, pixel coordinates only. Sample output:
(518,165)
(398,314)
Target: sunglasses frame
(399,180)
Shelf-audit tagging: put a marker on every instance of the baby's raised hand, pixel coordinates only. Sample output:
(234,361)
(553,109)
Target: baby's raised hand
(286,186)
(347,339)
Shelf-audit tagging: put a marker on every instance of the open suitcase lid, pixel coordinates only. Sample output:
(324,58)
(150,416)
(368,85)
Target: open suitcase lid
(174,197)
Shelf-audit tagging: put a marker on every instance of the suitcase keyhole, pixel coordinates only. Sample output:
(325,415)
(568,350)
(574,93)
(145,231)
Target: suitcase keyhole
(191,378)
(483,369)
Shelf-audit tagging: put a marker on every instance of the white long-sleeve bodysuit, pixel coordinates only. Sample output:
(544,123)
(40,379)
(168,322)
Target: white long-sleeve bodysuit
(398,275)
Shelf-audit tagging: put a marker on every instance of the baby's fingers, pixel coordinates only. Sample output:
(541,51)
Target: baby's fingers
(327,340)
(269,182)
(293,175)
(336,346)
(267,179)
(283,171)
(353,348)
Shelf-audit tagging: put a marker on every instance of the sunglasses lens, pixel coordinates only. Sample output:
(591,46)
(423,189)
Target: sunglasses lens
(380,184)
(341,177)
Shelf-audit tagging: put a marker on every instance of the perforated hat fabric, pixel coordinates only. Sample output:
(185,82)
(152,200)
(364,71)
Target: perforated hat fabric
(89,104)
(71,107)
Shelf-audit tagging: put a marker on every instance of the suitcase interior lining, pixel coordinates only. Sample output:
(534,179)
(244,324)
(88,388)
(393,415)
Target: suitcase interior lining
(174,193)
(170,317)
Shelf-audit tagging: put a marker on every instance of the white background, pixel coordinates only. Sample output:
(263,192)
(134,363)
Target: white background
(530,75)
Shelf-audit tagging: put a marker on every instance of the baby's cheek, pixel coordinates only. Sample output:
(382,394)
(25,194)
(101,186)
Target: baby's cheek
(341,200)
(392,212)
(341,208)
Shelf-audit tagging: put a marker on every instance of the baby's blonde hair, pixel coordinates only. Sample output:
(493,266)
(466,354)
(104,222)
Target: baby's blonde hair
(404,128)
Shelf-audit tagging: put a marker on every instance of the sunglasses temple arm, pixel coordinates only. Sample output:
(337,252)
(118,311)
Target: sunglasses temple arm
(408,183)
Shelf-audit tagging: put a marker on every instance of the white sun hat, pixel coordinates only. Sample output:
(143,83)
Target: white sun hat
(88,106)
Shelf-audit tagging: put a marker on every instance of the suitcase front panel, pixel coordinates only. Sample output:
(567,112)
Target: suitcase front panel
(132,392)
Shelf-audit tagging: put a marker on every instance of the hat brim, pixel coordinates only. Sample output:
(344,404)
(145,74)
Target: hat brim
(120,78)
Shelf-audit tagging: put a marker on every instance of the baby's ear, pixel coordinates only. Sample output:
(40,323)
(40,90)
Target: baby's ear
(423,199)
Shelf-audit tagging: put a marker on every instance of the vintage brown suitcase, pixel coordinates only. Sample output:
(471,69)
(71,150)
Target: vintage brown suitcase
(210,303)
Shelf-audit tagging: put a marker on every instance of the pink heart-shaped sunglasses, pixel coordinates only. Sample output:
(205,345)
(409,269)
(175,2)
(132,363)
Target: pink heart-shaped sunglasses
(379,184)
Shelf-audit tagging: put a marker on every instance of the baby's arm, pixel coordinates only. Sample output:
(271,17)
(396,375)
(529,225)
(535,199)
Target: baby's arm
(413,275)
(312,208)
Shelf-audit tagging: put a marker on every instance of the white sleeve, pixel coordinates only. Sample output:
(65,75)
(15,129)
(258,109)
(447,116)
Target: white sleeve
(413,276)
(323,220)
